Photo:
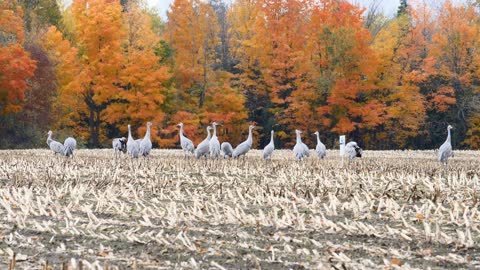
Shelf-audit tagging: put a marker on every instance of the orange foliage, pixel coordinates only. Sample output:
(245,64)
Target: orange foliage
(16,64)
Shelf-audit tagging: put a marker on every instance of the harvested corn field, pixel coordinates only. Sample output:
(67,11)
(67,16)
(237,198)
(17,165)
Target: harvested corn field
(388,209)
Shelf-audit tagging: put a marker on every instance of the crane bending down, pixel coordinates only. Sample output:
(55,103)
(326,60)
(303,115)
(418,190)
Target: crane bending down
(353,150)
(69,145)
(146,143)
(185,143)
(300,150)
(119,145)
(320,149)
(203,147)
(214,144)
(133,148)
(445,151)
(55,146)
(268,150)
(244,147)
(227,149)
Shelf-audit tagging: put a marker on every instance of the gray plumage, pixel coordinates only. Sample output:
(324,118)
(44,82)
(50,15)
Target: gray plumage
(214,144)
(243,148)
(321,150)
(133,148)
(445,151)
(353,150)
(55,146)
(69,145)
(203,147)
(300,150)
(268,150)
(227,149)
(119,145)
(146,143)
(185,143)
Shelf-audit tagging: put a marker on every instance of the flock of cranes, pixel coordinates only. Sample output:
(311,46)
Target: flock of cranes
(211,146)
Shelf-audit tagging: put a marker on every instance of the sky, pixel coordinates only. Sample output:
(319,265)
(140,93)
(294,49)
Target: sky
(389,6)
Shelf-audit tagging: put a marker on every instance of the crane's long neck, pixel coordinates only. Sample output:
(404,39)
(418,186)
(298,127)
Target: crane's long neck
(214,130)
(271,138)
(299,138)
(181,131)
(208,134)
(130,134)
(249,139)
(449,138)
(147,135)
(318,138)
(49,139)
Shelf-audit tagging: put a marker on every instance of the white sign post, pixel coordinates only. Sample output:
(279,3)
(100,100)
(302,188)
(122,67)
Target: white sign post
(342,147)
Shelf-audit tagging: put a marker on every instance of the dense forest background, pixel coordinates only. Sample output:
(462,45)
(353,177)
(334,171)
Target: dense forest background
(90,68)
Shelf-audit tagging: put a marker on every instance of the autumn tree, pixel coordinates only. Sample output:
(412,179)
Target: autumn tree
(16,65)
(142,77)
(453,89)
(403,65)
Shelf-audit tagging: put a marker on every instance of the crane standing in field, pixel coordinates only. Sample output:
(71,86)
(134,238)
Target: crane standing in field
(353,150)
(300,150)
(119,145)
(55,146)
(320,149)
(133,148)
(214,144)
(203,147)
(69,145)
(146,143)
(445,151)
(244,147)
(227,149)
(268,150)
(185,143)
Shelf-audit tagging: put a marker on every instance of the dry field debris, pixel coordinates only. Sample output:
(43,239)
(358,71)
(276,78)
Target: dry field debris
(388,210)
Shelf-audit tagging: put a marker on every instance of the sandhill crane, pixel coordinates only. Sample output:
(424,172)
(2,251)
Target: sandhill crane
(214,144)
(119,145)
(227,149)
(244,147)
(353,150)
(320,149)
(55,146)
(146,143)
(445,151)
(300,150)
(69,145)
(185,143)
(203,147)
(133,148)
(268,150)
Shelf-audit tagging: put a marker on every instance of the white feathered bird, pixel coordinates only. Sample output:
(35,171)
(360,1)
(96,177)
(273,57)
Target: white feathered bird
(243,148)
(203,147)
(268,150)
(146,143)
(353,150)
(445,151)
(55,146)
(227,149)
(133,148)
(69,145)
(119,145)
(300,150)
(214,144)
(320,149)
(185,143)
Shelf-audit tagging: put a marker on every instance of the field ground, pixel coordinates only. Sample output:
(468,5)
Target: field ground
(387,210)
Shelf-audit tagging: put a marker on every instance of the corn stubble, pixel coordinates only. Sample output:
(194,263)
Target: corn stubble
(388,210)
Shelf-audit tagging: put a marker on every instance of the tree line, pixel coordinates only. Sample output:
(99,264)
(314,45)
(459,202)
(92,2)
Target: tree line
(90,68)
